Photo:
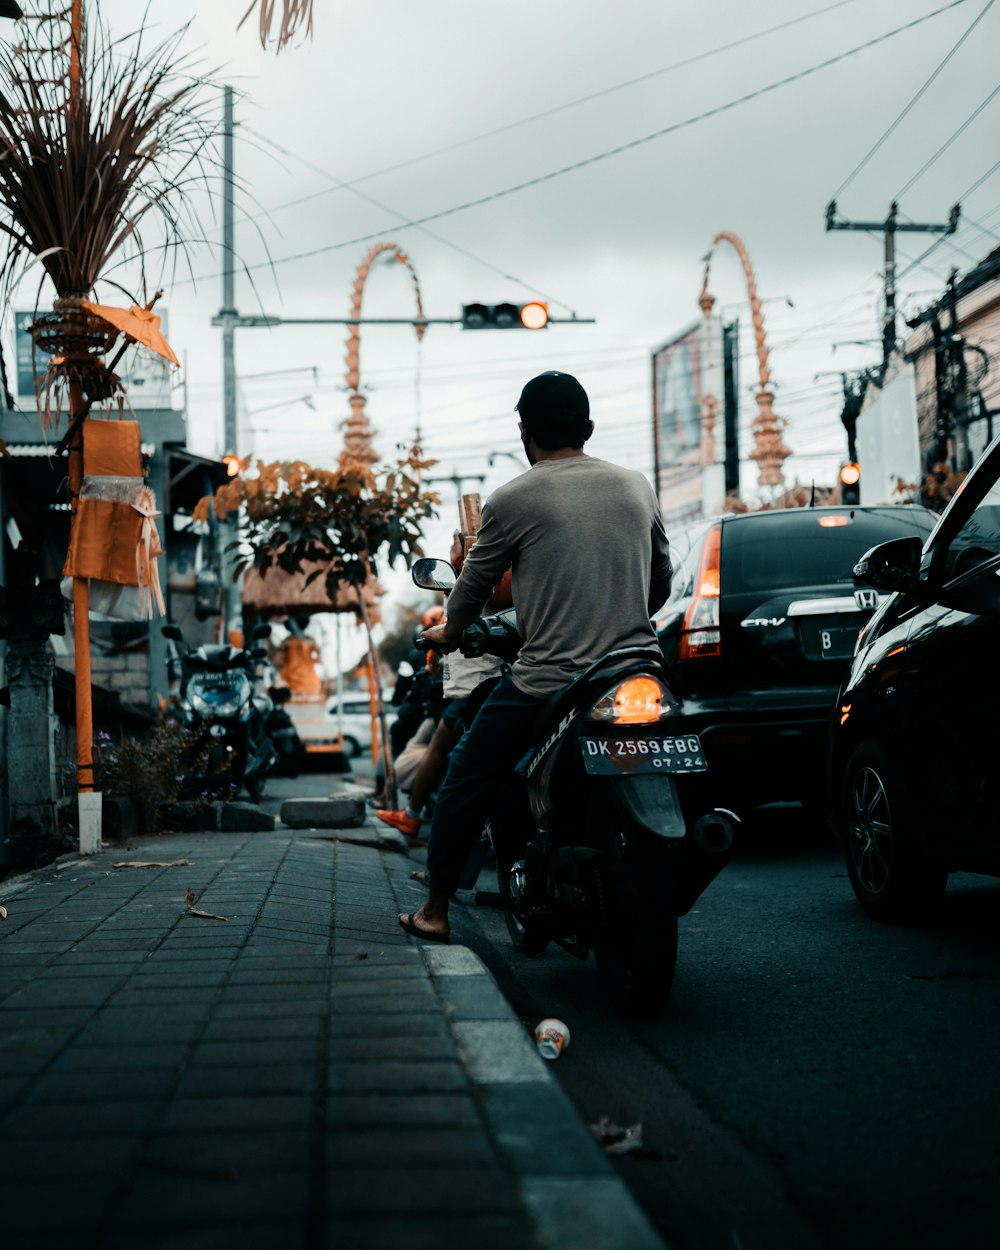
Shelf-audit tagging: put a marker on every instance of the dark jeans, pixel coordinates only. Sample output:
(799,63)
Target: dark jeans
(477,771)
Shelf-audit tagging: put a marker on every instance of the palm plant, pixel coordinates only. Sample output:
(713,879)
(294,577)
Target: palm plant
(98,137)
(295,15)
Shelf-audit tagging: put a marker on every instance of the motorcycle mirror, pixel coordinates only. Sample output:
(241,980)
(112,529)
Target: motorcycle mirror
(433,574)
(260,631)
(173,633)
(258,653)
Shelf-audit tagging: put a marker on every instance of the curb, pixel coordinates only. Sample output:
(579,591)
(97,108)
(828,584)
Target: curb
(569,1188)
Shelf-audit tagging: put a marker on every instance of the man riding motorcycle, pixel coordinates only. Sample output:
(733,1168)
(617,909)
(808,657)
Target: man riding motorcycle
(590,562)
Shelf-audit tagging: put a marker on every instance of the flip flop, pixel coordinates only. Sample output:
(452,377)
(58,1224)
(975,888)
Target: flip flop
(428,935)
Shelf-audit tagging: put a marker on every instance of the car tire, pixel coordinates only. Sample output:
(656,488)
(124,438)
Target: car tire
(352,747)
(891,880)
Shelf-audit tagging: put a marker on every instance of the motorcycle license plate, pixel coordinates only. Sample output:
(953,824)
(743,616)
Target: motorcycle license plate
(661,754)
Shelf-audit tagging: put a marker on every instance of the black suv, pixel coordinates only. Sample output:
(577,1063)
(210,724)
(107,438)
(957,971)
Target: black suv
(761,621)
(915,744)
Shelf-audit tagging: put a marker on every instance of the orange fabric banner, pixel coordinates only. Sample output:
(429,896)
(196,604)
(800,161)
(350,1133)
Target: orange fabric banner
(113,536)
(111,449)
(102,542)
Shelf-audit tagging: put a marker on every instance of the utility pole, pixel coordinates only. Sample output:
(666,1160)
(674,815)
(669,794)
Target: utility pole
(889,228)
(958,379)
(228,316)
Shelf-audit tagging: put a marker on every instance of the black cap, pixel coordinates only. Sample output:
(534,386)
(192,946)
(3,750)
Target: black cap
(553,394)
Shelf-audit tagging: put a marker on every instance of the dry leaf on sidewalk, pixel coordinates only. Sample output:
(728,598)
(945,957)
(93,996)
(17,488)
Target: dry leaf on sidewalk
(3,913)
(617,1139)
(196,911)
(151,863)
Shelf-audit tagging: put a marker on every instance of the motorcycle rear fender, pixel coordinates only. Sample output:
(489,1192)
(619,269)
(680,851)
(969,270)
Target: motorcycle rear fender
(651,802)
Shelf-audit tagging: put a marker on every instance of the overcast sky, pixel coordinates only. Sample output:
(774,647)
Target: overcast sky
(418,106)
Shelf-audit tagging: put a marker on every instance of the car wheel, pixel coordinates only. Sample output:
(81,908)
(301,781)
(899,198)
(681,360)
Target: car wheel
(891,880)
(352,747)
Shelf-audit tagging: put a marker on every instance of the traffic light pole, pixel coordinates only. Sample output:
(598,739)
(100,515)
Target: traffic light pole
(265,321)
(889,228)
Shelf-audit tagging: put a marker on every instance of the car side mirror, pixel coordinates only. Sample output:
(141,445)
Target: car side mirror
(893,565)
(433,574)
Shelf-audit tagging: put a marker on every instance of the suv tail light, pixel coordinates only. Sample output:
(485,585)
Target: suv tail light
(700,634)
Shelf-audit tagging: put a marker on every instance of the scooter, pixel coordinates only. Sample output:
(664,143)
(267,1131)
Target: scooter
(220,697)
(604,834)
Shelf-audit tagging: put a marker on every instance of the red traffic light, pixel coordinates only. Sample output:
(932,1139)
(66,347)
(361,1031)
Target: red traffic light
(850,473)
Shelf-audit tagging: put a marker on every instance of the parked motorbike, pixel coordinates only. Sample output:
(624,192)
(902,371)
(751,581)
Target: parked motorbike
(220,696)
(289,747)
(604,835)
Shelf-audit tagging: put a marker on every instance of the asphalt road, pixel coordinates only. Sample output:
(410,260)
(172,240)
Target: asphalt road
(818,1080)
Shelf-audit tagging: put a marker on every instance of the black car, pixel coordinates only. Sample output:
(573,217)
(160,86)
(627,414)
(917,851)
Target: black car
(759,627)
(915,744)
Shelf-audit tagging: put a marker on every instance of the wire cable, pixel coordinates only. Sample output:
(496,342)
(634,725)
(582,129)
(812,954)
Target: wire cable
(347,186)
(947,143)
(570,104)
(941,238)
(617,150)
(889,130)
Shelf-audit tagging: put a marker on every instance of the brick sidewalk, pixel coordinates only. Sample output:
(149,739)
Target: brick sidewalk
(302,1074)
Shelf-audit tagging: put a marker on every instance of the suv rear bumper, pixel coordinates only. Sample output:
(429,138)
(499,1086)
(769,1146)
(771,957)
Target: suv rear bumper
(763,757)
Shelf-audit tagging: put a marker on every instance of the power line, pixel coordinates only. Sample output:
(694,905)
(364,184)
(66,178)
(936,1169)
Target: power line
(885,135)
(341,185)
(948,142)
(569,104)
(618,150)
(964,196)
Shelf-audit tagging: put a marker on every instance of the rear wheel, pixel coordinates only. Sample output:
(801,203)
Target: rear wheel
(352,747)
(890,879)
(527,935)
(637,956)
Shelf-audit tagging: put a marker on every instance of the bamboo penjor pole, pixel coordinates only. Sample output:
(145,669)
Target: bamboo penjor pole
(89,815)
(81,614)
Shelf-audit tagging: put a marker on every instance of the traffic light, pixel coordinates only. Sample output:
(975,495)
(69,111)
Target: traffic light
(531,316)
(850,482)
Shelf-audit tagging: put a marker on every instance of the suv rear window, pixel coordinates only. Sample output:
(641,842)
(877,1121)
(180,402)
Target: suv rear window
(808,547)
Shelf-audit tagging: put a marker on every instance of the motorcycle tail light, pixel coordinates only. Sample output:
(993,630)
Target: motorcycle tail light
(700,632)
(636,701)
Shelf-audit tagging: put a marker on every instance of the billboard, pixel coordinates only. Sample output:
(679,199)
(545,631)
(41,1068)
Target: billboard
(684,370)
(145,375)
(888,440)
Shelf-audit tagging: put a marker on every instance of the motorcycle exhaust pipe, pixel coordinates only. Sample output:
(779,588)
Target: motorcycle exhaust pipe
(703,856)
(714,832)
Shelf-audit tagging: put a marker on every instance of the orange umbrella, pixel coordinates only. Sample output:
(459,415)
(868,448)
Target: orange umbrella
(139,324)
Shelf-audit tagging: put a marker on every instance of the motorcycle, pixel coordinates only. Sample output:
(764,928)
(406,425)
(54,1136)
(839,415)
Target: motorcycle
(280,728)
(604,834)
(220,696)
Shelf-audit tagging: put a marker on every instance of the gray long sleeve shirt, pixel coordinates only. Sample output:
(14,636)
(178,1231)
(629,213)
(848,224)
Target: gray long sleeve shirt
(590,565)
